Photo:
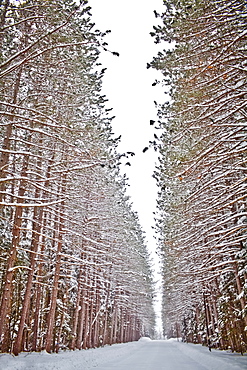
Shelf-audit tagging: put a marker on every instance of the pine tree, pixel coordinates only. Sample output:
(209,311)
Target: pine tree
(71,243)
(202,223)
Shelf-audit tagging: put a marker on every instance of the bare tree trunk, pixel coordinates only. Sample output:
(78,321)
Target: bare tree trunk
(4,158)
(53,304)
(40,269)
(121,337)
(7,291)
(95,339)
(90,321)
(105,328)
(81,321)
(77,310)
(59,337)
(114,338)
(206,320)
(86,323)
(38,293)
(51,315)
(35,243)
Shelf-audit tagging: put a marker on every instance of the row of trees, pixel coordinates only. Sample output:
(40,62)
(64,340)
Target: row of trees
(202,220)
(74,269)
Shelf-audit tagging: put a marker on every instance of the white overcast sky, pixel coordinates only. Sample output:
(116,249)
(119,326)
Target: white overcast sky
(128,86)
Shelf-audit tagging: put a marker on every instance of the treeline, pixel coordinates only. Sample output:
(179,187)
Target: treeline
(202,217)
(74,269)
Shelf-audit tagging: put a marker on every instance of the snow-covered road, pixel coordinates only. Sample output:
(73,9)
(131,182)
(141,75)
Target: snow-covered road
(171,355)
(142,355)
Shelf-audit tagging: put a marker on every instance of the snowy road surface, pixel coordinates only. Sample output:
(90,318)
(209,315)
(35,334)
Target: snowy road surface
(142,355)
(170,355)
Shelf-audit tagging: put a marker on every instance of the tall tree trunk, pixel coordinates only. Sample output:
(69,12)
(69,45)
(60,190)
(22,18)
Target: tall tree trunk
(105,328)
(40,266)
(77,310)
(86,322)
(60,331)
(38,292)
(53,304)
(206,319)
(7,291)
(4,158)
(95,339)
(38,215)
(114,333)
(81,321)
(82,315)
(121,323)
(90,321)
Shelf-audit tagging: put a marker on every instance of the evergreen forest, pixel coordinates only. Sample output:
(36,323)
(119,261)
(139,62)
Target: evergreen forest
(202,211)
(75,270)
(74,267)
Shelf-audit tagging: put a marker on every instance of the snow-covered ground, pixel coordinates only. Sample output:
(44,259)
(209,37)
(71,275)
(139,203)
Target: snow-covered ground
(142,355)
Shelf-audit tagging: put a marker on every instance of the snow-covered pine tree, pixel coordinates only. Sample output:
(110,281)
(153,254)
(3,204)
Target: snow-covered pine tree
(202,171)
(73,257)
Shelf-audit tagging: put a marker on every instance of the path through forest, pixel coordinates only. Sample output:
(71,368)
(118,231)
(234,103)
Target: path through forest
(142,355)
(171,355)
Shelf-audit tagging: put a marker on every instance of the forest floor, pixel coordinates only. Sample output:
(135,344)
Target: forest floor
(145,354)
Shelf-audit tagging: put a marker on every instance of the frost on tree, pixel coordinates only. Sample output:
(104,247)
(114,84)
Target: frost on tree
(74,272)
(202,219)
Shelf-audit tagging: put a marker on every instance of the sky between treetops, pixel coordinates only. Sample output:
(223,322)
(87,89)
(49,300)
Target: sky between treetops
(128,86)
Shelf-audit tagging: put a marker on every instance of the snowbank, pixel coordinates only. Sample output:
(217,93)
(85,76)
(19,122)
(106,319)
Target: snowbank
(68,360)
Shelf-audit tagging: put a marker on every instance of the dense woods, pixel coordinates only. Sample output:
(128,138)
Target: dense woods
(202,217)
(74,268)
